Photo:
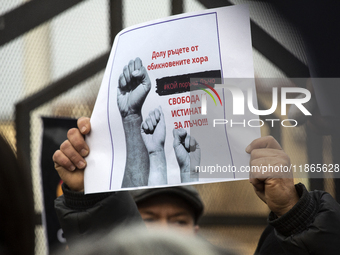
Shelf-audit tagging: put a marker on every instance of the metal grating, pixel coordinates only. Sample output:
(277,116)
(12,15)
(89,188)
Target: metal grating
(192,6)
(41,56)
(8,5)
(135,12)
(80,34)
(274,24)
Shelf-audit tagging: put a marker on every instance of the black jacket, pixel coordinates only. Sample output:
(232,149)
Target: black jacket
(83,216)
(312,226)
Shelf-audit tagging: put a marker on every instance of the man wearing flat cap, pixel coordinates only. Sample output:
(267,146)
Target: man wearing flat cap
(179,207)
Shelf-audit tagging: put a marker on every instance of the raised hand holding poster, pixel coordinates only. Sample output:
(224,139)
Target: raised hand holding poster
(151,127)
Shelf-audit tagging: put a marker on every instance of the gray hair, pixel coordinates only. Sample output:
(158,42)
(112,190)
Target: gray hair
(137,240)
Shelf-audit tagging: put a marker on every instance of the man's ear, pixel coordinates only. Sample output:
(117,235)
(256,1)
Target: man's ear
(196,228)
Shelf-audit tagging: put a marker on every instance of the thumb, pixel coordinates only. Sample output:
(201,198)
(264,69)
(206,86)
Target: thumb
(193,144)
(179,136)
(84,125)
(140,73)
(259,188)
(263,142)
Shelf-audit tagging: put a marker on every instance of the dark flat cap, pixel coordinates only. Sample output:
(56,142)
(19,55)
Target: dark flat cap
(187,193)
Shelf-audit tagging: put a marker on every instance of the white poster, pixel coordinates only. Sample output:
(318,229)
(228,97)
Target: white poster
(151,127)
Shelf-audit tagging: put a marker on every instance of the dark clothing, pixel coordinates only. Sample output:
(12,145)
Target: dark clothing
(82,216)
(312,226)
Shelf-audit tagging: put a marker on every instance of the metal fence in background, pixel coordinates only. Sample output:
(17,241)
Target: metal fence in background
(53,54)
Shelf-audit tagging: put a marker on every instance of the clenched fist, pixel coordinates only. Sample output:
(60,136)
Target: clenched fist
(188,154)
(133,87)
(153,131)
(274,187)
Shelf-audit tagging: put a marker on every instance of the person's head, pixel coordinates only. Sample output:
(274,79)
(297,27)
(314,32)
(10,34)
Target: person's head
(138,240)
(16,201)
(178,207)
